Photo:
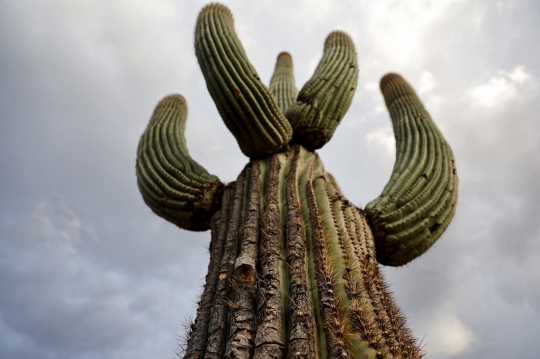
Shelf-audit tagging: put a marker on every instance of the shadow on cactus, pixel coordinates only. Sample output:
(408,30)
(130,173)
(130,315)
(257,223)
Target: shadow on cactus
(293,264)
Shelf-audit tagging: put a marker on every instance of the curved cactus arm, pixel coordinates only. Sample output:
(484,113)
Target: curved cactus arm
(326,97)
(247,107)
(172,184)
(419,201)
(282,84)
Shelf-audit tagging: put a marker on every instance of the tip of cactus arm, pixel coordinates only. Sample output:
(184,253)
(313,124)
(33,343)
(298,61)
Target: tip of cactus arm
(284,59)
(391,80)
(172,100)
(216,8)
(394,88)
(391,76)
(393,85)
(176,101)
(338,38)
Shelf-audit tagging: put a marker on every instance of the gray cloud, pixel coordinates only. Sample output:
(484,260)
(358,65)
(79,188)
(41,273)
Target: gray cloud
(89,272)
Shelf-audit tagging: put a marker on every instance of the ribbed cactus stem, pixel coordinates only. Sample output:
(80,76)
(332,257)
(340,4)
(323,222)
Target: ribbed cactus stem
(326,97)
(294,266)
(172,184)
(302,338)
(245,104)
(316,288)
(419,201)
(282,84)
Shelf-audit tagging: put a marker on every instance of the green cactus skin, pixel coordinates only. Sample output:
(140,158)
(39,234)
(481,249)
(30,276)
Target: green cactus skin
(418,202)
(172,184)
(282,84)
(247,107)
(326,97)
(294,266)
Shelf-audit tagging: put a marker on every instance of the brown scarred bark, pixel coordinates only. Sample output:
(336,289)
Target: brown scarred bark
(240,341)
(302,333)
(219,322)
(269,337)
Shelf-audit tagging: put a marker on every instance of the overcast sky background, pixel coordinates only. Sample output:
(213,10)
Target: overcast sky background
(88,271)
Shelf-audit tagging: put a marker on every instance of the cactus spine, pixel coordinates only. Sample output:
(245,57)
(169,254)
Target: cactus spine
(294,266)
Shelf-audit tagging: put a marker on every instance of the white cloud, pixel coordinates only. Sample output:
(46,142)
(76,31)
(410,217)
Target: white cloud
(449,336)
(505,7)
(502,87)
(372,86)
(319,8)
(402,26)
(127,55)
(382,141)
(427,82)
(520,75)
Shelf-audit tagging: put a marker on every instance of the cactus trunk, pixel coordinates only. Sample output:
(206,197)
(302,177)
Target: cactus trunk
(293,272)
(293,267)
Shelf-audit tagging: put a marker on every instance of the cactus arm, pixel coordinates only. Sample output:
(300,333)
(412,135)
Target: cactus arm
(419,200)
(282,84)
(247,107)
(326,97)
(172,184)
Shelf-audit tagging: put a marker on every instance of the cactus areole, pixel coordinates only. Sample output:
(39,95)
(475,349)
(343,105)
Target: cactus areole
(294,266)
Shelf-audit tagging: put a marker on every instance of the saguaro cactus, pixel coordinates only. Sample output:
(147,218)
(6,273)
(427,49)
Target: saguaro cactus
(293,264)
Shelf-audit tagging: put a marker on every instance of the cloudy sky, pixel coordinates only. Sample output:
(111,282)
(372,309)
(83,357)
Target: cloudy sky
(88,271)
